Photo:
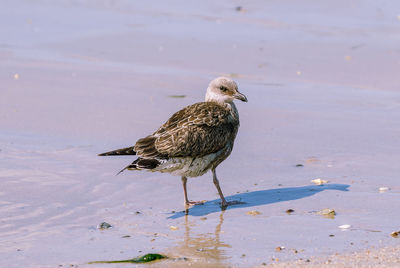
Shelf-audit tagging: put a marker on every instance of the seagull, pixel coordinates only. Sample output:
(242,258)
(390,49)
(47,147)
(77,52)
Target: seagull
(194,140)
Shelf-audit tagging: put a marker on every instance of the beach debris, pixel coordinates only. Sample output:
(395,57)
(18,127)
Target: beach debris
(298,73)
(327,213)
(142,259)
(239,8)
(234,75)
(383,189)
(347,58)
(135,212)
(177,96)
(104,225)
(395,234)
(181,259)
(280,248)
(288,211)
(357,46)
(312,160)
(319,181)
(372,231)
(331,235)
(253,213)
(16,76)
(125,236)
(299,165)
(345,226)
(173,228)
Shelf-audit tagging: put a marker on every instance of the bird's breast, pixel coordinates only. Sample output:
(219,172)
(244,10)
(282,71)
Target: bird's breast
(194,166)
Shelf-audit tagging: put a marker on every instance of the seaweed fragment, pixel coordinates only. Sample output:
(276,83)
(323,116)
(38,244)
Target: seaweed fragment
(142,259)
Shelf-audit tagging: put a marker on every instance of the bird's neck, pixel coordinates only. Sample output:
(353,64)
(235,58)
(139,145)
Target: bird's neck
(233,110)
(230,106)
(218,98)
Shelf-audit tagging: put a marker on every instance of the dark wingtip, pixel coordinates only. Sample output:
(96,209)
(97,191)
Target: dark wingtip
(120,171)
(130,166)
(123,151)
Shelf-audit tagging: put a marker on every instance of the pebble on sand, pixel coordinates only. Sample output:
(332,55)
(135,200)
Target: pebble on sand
(104,225)
(395,234)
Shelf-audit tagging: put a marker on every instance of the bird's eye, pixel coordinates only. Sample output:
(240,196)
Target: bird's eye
(222,88)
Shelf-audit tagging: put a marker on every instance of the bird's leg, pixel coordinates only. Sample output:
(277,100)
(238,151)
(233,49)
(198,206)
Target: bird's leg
(224,204)
(187,202)
(184,181)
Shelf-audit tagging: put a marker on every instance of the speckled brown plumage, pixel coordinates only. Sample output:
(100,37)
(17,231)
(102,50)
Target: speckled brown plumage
(196,130)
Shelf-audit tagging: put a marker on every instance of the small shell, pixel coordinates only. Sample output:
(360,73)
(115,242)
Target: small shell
(345,226)
(319,181)
(327,212)
(253,212)
(383,189)
(173,228)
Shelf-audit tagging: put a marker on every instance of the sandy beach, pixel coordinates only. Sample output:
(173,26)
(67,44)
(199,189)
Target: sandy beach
(80,78)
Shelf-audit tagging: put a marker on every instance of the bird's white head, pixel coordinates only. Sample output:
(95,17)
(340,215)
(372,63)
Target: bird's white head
(223,90)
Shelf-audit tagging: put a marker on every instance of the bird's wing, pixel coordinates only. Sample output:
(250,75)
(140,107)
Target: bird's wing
(196,130)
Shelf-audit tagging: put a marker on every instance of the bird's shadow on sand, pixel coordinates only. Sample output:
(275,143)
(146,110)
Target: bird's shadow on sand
(258,198)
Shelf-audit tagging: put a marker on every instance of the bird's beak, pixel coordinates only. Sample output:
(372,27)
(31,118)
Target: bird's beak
(240,96)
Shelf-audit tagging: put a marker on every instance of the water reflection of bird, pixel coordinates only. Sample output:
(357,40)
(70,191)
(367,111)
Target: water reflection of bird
(205,249)
(194,140)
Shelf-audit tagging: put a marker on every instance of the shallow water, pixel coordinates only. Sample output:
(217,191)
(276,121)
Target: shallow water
(322,85)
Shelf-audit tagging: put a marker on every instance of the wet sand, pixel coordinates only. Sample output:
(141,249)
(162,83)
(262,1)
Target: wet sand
(81,78)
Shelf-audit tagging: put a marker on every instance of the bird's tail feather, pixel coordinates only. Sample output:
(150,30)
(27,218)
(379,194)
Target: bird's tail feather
(123,151)
(142,163)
